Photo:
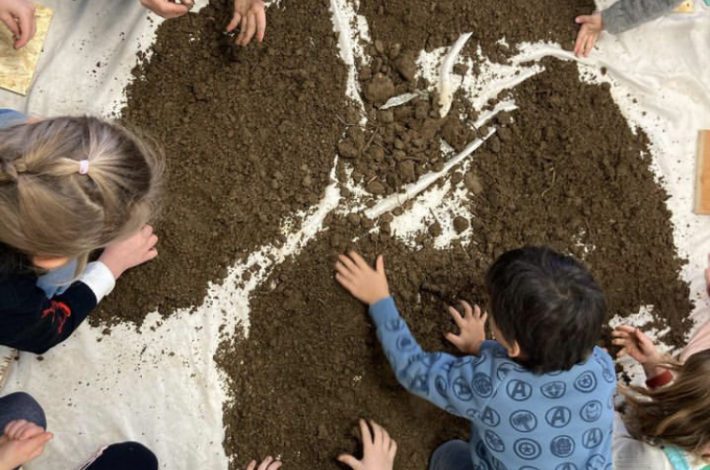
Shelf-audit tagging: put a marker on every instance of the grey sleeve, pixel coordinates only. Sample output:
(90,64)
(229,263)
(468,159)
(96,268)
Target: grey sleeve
(627,14)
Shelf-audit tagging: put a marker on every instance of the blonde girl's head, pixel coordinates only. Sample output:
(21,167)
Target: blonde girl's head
(70,185)
(677,414)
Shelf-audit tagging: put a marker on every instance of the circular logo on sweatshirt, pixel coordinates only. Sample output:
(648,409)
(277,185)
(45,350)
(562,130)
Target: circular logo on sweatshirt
(527,449)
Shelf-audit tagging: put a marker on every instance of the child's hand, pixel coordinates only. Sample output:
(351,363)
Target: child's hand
(378,449)
(636,344)
(250,16)
(269,463)
(19,17)
(364,283)
(472,328)
(134,250)
(23,441)
(167,8)
(589,31)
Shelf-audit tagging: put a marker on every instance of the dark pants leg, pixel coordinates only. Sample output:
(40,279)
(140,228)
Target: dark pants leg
(452,455)
(124,456)
(20,405)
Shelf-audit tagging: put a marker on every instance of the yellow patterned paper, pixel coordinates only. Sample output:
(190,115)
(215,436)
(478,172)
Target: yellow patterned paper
(686,7)
(18,67)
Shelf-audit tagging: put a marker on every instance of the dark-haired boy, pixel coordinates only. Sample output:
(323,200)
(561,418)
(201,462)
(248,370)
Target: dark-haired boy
(540,397)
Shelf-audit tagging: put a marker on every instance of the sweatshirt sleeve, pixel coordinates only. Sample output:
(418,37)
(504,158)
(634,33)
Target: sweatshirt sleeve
(627,14)
(30,321)
(459,385)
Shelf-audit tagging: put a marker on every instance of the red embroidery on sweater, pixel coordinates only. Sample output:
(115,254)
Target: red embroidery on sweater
(59,312)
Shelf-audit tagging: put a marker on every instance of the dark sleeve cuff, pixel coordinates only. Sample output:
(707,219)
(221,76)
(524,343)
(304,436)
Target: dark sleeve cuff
(660,380)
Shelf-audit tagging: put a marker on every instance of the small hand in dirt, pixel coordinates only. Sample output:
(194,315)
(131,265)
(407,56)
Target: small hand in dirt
(269,463)
(590,28)
(134,250)
(250,17)
(378,449)
(23,441)
(472,326)
(357,277)
(167,8)
(19,17)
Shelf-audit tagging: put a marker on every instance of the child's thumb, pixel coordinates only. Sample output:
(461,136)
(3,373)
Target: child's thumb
(349,460)
(582,19)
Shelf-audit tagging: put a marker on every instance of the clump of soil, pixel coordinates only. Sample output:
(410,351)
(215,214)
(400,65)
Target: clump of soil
(250,136)
(401,143)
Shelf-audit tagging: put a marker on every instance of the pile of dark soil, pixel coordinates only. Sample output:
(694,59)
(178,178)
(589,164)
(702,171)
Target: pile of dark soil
(250,136)
(312,365)
(250,141)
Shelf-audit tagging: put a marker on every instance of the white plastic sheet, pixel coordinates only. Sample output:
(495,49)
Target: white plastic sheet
(160,386)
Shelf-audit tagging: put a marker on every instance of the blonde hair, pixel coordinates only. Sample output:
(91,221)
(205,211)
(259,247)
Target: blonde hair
(677,414)
(49,208)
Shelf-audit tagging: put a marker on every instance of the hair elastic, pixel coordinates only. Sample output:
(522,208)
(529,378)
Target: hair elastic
(83,167)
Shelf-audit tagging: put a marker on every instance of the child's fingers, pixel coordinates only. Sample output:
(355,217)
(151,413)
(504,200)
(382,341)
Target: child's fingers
(365,434)
(13,426)
(484,317)
(252,465)
(619,342)
(454,339)
(346,283)
(231,27)
(380,264)
(242,29)
(467,310)
(30,430)
(359,260)
(260,24)
(345,267)
(347,262)
(11,24)
(458,319)
(622,352)
(393,449)
(623,329)
(377,437)
(349,460)
(265,463)
(251,29)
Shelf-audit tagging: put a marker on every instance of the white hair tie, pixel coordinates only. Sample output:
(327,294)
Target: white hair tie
(83,167)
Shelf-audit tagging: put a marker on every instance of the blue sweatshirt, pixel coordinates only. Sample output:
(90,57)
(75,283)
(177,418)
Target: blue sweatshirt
(519,420)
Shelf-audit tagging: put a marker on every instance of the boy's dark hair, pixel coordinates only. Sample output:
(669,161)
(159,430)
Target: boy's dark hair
(549,303)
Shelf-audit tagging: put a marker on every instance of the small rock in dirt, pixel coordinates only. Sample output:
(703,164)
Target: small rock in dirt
(375,187)
(406,168)
(435,229)
(380,89)
(473,183)
(387,217)
(395,49)
(347,149)
(385,116)
(505,134)
(494,144)
(406,66)
(460,69)
(460,224)
(354,218)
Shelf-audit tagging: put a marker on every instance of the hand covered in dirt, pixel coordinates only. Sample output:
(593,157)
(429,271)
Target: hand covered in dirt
(134,250)
(378,449)
(357,277)
(269,463)
(591,27)
(472,328)
(19,17)
(250,17)
(167,8)
(23,441)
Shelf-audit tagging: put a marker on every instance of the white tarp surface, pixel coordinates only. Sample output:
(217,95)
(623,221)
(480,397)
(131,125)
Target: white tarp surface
(160,386)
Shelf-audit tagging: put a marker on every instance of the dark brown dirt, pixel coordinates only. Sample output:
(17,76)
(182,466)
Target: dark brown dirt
(428,25)
(564,170)
(250,136)
(312,364)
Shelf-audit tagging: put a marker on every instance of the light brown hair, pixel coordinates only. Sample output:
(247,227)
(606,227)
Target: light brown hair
(677,414)
(48,208)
